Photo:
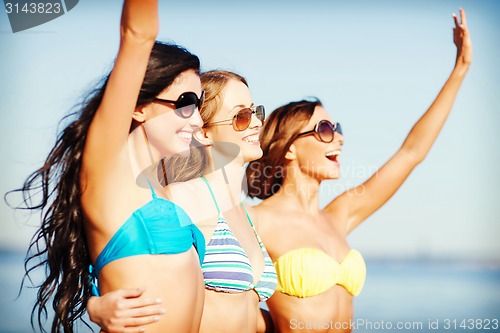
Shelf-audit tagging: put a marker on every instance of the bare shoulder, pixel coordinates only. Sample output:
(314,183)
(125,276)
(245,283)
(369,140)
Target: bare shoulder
(276,226)
(270,215)
(179,191)
(193,197)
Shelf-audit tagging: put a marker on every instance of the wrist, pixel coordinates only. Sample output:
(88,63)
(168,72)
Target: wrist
(460,69)
(91,308)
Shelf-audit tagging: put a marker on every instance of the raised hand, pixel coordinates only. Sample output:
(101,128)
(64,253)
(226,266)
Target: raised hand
(461,38)
(373,193)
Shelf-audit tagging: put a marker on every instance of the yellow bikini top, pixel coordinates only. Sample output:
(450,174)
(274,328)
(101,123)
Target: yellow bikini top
(308,272)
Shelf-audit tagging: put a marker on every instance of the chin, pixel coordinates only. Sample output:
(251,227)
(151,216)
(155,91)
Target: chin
(335,175)
(183,153)
(180,149)
(252,156)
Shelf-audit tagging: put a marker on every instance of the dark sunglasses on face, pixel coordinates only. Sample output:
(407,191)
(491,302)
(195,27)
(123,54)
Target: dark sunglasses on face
(186,104)
(323,131)
(241,121)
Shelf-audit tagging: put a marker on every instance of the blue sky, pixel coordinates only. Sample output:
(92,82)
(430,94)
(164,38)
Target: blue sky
(376,65)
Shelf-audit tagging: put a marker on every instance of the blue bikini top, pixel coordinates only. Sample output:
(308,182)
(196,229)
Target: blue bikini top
(157,227)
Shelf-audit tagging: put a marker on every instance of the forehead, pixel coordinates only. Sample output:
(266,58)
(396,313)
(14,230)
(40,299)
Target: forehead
(186,81)
(235,93)
(319,114)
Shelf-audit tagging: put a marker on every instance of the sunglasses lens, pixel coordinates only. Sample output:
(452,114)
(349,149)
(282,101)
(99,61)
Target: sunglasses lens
(325,131)
(187,104)
(338,128)
(260,112)
(185,111)
(242,119)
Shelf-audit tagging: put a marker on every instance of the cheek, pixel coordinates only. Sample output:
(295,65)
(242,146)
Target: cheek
(308,151)
(310,158)
(226,134)
(161,130)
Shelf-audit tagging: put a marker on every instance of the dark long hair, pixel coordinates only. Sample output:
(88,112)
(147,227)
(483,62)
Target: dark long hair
(59,245)
(265,175)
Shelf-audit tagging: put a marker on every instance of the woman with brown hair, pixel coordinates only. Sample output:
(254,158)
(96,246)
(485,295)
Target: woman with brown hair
(318,273)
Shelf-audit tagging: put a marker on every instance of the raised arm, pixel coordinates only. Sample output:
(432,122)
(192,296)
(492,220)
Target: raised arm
(355,205)
(112,121)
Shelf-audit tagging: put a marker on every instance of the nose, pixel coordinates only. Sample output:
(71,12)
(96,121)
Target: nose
(255,122)
(337,137)
(195,120)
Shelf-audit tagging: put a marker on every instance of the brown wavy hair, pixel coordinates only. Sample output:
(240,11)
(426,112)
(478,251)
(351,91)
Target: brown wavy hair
(265,175)
(59,245)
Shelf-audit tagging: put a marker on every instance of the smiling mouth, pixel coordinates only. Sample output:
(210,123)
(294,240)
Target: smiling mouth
(251,138)
(186,136)
(333,155)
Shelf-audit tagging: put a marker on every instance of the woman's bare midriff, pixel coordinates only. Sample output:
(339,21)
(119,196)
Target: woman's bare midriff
(331,311)
(230,312)
(175,278)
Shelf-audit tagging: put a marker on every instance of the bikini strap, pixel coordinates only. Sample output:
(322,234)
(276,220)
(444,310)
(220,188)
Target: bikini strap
(153,193)
(248,215)
(253,227)
(212,193)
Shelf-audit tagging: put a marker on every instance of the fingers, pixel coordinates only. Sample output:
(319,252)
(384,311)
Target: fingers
(149,311)
(455,18)
(130,330)
(461,38)
(133,330)
(134,320)
(463,17)
(131,298)
(132,314)
(141,321)
(142,302)
(130,293)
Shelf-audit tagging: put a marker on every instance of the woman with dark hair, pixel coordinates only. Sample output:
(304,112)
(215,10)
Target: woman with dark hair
(102,203)
(237,270)
(318,273)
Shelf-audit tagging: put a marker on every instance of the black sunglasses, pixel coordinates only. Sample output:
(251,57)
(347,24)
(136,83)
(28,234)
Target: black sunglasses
(186,104)
(323,131)
(241,121)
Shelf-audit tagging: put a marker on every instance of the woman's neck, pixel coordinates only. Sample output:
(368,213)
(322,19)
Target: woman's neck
(142,159)
(300,191)
(225,177)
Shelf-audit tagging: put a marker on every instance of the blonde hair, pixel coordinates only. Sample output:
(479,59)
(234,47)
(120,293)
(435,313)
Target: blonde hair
(214,82)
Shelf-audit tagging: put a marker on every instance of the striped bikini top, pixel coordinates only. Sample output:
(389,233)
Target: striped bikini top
(227,268)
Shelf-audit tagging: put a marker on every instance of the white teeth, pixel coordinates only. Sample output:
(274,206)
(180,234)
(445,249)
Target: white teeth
(185,135)
(332,153)
(251,138)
